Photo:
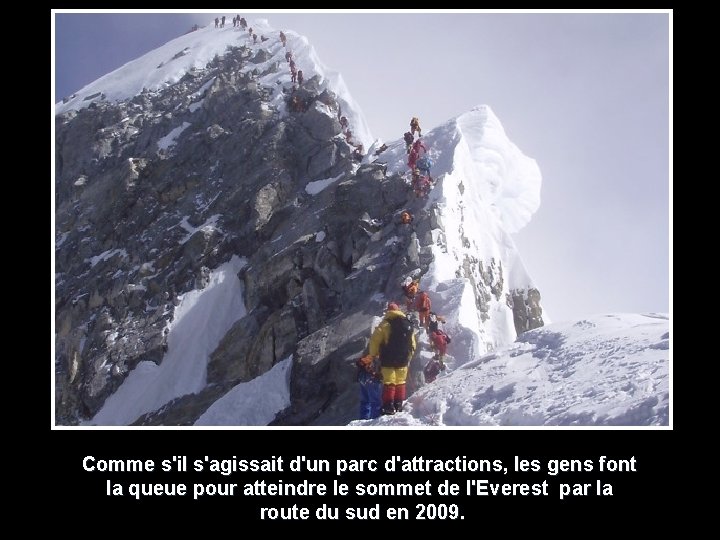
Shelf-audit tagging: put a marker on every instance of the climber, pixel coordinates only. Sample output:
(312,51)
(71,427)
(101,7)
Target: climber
(394,342)
(296,104)
(419,148)
(283,38)
(432,369)
(371,387)
(358,152)
(415,126)
(288,56)
(300,77)
(348,136)
(434,321)
(222,22)
(217,22)
(420,184)
(243,23)
(408,137)
(422,305)
(424,163)
(234,22)
(417,151)
(250,31)
(439,341)
(254,38)
(416,182)
(406,217)
(410,288)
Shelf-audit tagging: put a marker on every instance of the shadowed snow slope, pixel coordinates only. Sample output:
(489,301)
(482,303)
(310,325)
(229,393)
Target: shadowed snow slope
(603,370)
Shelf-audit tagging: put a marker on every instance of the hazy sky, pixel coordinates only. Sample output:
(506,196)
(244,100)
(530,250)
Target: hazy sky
(586,95)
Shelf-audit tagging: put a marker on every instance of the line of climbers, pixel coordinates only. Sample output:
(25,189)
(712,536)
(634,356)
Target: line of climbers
(383,372)
(419,160)
(296,104)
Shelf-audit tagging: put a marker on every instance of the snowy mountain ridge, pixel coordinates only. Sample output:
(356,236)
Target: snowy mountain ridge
(604,370)
(217,261)
(168,64)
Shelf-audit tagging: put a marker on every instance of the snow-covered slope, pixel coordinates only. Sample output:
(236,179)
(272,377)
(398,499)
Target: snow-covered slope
(253,403)
(486,189)
(603,370)
(201,319)
(166,65)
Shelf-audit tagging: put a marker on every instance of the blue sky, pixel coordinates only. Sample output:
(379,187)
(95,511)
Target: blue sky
(586,95)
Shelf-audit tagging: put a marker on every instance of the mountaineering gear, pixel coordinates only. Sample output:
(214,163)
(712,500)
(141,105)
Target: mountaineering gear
(368,364)
(394,342)
(418,150)
(415,126)
(410,290)
(424,164)
(394,392)
(400,344)
(432,369)
(370,397)
(370,387)
(394,375)
(420,184)
(440,342)
(408,137)
(434,320)
(423,308)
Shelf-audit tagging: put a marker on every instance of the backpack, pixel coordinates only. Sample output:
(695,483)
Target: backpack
(433,323)
(396,352)
(432,370)
(425,163)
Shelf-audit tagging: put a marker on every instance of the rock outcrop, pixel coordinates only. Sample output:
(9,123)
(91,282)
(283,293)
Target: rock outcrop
(155,192)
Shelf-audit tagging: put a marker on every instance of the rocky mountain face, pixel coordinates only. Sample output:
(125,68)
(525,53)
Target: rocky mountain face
(155,192)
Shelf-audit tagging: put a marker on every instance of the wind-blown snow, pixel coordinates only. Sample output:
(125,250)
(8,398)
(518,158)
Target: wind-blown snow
(166,65)
(201,320)
(603,370)
(253,403)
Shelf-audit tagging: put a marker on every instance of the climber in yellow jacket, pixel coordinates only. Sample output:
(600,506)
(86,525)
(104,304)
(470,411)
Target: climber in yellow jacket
(393,341)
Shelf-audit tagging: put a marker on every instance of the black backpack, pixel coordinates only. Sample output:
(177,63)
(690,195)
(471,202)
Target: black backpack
(396,352)
(433,323)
